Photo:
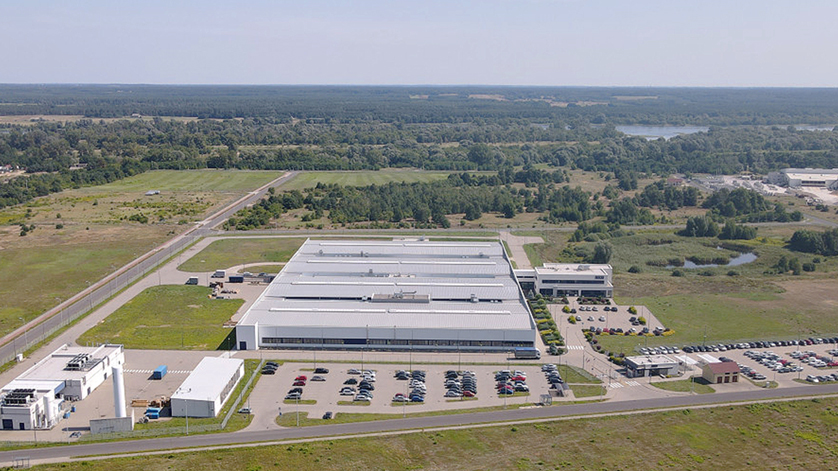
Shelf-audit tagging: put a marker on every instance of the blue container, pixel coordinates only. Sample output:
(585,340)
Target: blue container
(73,409)
(159,372)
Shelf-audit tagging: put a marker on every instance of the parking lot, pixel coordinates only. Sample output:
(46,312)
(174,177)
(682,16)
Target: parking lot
(268,397)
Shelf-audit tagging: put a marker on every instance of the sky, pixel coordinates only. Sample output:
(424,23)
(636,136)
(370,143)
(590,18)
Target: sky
(739,43)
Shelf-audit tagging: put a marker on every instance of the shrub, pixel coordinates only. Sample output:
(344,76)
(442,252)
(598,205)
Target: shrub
(733,273)
(634,269)
(808,267)
(61,226)
(632,310)
(677,273)
(571,319)
(566,309)
(642,320)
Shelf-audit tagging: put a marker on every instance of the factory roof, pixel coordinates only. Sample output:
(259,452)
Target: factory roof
(68,363)
(811,171)
(573,269)
(208,379)
(409,284)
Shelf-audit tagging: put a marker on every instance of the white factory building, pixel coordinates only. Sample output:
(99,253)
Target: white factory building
(207,388)
(568,279)
(34,399)
(805,177)
(396,295)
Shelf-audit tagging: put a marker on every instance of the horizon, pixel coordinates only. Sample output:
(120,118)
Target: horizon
(531,43)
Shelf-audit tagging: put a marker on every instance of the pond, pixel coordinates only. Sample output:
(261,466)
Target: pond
(740,259)
(655,132)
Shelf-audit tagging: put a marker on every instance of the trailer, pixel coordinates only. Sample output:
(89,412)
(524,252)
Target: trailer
(236,279)
(528,353)
(159,372)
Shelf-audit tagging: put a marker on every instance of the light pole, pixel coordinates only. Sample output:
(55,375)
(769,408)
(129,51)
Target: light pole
(60,312)
(25,340)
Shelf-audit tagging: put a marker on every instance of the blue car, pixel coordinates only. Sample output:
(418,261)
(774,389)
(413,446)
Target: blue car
(417,399)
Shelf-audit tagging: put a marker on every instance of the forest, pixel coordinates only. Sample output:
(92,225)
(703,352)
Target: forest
(433,128)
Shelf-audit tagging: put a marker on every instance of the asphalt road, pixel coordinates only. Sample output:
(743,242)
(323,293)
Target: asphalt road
(57,453)
(103,288)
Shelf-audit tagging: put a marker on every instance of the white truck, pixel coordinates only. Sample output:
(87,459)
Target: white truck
(219,274)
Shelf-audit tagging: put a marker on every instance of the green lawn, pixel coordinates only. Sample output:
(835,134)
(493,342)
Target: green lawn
(587,391)
(191,180)
(225,253)
(785,435)
(167,318)
(698,386)
(363,177)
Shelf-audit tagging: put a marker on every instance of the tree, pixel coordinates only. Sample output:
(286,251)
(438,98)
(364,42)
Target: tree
(602,253)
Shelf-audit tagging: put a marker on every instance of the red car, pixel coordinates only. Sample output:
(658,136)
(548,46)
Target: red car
(519,378)
(301,378)
(468,394)
(299,383)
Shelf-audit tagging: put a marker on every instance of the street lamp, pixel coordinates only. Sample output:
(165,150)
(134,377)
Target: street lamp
(25,340)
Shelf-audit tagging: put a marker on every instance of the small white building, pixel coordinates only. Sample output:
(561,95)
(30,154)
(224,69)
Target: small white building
(207,388)
(34,399)
(568,279)
(652,365)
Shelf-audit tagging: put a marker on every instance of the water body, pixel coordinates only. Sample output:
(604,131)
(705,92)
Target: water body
(740,259)
(656,132)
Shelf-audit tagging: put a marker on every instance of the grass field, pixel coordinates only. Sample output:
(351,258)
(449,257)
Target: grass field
(580,390)
(363,177)
(46,267)
(190,180)
(226,253)
(699,386)
(167,318)
(788,435)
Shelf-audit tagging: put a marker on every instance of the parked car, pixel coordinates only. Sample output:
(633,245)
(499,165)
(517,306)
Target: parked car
(327,415)
(351,381)
(299,383)
(321,371)
(318,378)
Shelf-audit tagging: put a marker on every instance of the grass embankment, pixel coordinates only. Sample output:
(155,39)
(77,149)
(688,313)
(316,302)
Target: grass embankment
(587,391)
(789,435)
(237,421)
(697,385)
(167,318)
(225,253)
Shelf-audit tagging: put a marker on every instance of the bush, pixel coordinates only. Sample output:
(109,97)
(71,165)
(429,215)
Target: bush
(632,310)
(571,319)
(677,273)
(634,269)
(642,320)
(566,309)
(733,273)
(808,267)
(61,226)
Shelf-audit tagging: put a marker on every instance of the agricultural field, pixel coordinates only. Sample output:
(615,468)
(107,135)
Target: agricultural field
(226,253)
(783,435)
(168,318)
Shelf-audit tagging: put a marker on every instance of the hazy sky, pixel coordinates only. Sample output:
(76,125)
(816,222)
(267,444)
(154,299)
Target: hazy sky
(503,42)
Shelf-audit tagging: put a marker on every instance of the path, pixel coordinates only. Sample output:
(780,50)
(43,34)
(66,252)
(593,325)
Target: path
(516,247)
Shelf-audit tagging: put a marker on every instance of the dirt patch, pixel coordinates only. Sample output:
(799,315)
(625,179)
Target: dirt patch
(194,306)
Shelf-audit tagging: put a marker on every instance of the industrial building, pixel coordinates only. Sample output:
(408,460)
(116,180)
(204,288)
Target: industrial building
(207,388)
(34,399)
(805,177)
(720,372)
(391,295)
(568,279)
(652,365)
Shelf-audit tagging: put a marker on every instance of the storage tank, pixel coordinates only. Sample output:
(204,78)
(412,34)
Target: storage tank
(118,391)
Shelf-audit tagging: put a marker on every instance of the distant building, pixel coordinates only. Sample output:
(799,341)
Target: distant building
(651,365)
(567,279)
(721,372)
(805,177)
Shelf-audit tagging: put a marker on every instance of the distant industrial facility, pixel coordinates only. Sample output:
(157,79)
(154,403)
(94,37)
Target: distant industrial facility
(34,399)
(391,295)
(568,279)
(805,177)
